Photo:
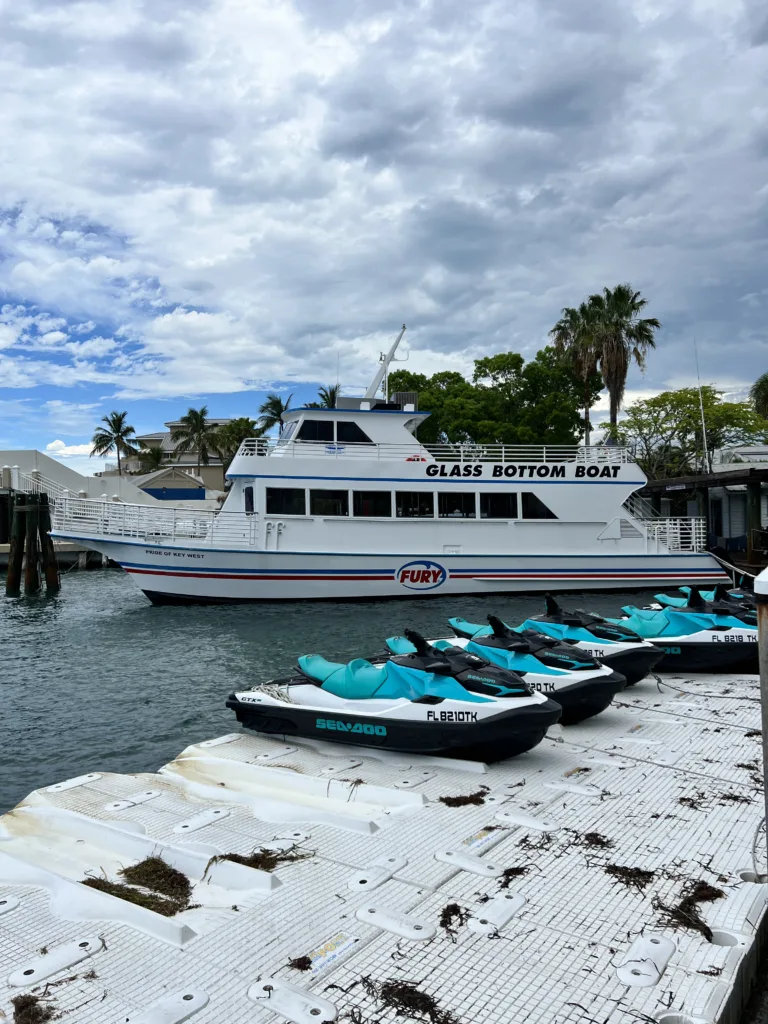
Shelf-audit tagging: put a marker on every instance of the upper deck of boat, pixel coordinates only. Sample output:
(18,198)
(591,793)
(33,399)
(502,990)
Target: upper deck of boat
(442,452)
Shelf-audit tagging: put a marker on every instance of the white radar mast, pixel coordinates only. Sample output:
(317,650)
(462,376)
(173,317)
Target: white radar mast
(381,373)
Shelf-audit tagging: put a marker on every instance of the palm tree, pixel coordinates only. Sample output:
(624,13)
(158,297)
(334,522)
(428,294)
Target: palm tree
(606,332)
(621,336)
(272,411)
(328,396)
(575,340)
(115,436)
(230,436)
(151,458)
(758,395)
(195,434)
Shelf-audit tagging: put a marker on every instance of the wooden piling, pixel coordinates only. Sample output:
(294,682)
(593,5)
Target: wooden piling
(16,549)
(47,550)
(32,562)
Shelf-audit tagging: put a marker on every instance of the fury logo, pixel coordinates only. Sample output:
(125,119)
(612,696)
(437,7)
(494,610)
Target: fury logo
(422,575)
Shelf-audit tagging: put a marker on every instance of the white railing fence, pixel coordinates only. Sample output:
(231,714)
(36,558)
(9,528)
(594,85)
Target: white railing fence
(415,452)
(36,483)
(81,517)
(677,534)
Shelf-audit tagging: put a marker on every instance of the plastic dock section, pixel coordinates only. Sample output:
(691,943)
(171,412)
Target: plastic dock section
(607,876)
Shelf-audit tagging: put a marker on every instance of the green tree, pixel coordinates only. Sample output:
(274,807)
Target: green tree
(196,433)
(115,436)
(272,410)
(575,339)
(666,433)
(758,395)
(151,459)
(508,401)
(609,327)
(328,395)
(230,436)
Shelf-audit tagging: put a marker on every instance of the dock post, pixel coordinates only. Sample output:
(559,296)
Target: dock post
(47,550)
(16,549)
(32,563)
(761,599)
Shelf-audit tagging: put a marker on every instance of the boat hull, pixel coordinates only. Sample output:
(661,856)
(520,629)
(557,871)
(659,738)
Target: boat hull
(176,574)
(492,739)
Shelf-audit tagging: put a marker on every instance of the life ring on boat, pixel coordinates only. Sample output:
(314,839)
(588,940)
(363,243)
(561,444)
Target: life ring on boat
(415,458)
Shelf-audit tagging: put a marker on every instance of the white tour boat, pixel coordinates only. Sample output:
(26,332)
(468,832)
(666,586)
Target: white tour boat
(347,503)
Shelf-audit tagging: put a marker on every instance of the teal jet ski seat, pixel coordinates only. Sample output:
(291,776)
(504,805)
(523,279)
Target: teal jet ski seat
(650,624)
(360,680)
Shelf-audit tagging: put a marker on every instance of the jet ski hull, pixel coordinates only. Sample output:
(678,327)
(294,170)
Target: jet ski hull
(585,699)
(684,655)
(504,735)
(633,664)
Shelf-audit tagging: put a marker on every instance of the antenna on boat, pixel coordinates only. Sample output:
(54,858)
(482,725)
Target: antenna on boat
(385,360)
(701,408)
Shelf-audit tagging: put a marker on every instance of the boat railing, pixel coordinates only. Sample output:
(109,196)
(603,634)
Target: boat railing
(676,533)
(81,517)
(415,452)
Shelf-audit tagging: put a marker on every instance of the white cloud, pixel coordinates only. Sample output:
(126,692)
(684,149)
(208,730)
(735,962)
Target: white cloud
(60,450)
(70,417)
(247,192)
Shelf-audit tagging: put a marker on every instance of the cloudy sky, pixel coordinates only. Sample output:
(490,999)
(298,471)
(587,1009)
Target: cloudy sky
(203,199)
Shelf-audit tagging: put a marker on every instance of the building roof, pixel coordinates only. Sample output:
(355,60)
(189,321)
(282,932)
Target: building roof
(166,472)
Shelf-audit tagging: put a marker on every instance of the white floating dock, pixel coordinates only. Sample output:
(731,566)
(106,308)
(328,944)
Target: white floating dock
(405,908)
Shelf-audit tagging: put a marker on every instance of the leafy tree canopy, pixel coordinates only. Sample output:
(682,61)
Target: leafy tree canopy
(666,433)
(228,438)
(508,401)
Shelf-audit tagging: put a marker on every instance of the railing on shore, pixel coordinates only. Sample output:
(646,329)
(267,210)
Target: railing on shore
(415,452)
(36,483)
(80,517)
(676,534)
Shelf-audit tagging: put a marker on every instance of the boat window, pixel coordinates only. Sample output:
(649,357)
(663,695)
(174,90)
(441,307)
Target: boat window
(329,503)
(316,430)
(350,433)
(372,503)
(248,500)
(286,501)
(415,504)
(534,507)
(498,506)
(456,505)
(287,431)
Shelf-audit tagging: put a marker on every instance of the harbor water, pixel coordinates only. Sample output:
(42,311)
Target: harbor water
(98,679)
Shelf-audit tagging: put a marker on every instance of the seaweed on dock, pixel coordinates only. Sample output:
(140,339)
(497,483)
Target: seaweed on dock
(544,841)
(633,878)
(300,963)
(261,859)
(453,917)
(155,874)
(694,802)
(735,798)
(753,733)
(29,1009)
(477,798)
(511,873)
(596,840)
(150,901)
(407,1000)
(685,913)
